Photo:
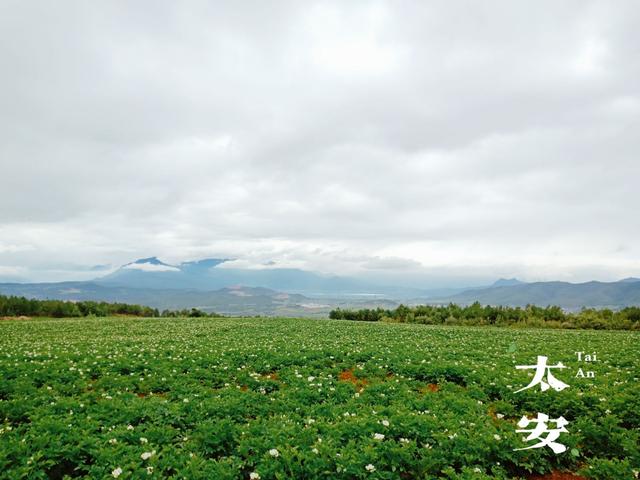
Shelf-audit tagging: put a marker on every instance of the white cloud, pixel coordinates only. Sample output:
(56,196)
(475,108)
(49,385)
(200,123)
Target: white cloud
(362,138)
(10,248)
(11,272)
(151,267)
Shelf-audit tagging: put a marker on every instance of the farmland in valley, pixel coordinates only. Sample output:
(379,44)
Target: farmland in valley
(218,398)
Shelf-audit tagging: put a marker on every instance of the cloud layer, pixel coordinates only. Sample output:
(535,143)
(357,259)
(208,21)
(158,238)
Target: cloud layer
(441,142)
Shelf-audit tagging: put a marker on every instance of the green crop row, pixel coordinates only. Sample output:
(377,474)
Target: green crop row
(202,398)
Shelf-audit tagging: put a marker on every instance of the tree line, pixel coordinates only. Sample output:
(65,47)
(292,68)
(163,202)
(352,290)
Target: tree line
(476,314)
(12,306)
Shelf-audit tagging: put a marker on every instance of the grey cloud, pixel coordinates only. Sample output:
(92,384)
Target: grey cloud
(488,138)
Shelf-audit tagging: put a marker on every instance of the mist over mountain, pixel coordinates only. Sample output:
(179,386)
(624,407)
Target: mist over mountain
(213,285)
(506,282)
(208,274)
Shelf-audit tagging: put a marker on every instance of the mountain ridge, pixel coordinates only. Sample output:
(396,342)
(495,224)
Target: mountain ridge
(616,294)
(206,284)
(206,274)
(233,300)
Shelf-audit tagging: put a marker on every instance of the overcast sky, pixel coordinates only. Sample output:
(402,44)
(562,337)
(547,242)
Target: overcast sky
(451,141)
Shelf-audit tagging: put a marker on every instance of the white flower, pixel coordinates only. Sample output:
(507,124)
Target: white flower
(186,400)
(370,468)
(499,415)
(497,437)
(378,436)
(404,440)
(143,440)
(385,423)
(477,470)
(149,470)
(113,441)
(254,476)
(315,450)
(274,452)
(117,472)
(147,455)
(129,427)
(311,379)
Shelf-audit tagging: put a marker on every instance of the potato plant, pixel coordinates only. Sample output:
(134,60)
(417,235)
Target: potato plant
(225,398)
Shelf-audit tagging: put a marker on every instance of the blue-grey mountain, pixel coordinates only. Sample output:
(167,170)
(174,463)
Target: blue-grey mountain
(211,285)
(564,294)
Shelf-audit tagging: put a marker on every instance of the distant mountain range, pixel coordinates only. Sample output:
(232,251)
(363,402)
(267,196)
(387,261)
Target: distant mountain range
(211,285)
(507,282)
(567,295)
(209,274)
(237,300)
